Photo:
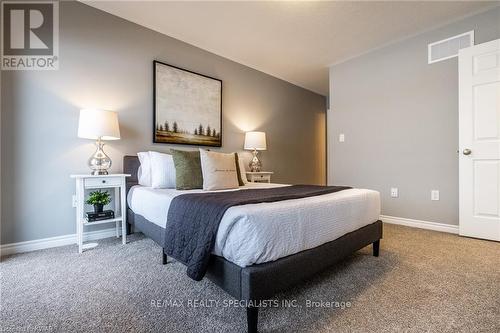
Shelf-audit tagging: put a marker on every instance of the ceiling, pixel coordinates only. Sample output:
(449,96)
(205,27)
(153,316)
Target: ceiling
(293,40)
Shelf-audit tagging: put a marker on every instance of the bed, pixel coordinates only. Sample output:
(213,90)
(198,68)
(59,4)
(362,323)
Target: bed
(265,248)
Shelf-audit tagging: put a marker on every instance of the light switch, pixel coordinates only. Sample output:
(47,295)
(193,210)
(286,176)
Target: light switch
(341,137)
(435,195)
(394,192)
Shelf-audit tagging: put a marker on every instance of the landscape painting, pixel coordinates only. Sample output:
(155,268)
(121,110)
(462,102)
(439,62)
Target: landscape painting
(187,107)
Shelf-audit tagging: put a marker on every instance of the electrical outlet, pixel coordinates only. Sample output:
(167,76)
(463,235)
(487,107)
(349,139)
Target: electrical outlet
(341,137)
(75,202)
(394,192)
(434,195)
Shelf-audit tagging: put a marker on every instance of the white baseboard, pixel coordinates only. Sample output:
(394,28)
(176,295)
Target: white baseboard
(46,243)
(452,229)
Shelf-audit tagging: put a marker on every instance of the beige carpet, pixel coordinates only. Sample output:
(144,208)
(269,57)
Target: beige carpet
(423,281)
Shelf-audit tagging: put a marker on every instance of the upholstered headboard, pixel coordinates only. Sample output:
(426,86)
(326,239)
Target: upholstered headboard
(131,166)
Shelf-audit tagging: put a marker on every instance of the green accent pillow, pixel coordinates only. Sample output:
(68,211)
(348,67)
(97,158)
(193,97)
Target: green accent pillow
(238,171)
(188,174)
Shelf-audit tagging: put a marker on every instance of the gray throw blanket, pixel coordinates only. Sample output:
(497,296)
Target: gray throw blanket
(193,219)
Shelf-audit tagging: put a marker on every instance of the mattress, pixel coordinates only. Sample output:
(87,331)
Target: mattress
(258,233)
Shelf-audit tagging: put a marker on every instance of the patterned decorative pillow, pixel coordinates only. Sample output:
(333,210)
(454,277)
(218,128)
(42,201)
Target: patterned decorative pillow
(188,174)
(219,170)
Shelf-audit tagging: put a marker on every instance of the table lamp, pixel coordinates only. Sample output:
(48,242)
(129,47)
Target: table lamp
(99,125)
(255,141)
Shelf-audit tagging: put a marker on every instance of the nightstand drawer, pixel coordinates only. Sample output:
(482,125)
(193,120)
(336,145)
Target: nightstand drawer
(263,176)
(103,181)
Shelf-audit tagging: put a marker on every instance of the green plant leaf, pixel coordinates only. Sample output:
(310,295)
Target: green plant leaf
(98,198)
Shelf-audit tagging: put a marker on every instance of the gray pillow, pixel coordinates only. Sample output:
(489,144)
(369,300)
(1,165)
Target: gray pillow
(188,174)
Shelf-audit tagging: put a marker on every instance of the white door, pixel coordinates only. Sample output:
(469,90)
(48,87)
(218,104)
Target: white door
(479,126)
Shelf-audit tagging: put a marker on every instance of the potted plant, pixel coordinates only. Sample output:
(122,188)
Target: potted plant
(98,199)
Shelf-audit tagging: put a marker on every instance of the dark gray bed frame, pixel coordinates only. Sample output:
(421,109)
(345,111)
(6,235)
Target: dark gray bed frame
(260,282)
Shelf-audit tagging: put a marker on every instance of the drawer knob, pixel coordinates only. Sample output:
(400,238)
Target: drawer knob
(103,181)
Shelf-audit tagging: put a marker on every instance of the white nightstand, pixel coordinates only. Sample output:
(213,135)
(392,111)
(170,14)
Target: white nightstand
(89,182)
(259,177)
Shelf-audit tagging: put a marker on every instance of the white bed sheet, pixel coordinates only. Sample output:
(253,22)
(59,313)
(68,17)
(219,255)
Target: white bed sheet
(258,233)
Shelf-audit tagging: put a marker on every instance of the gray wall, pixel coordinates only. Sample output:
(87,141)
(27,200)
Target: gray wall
(400,118)
(106,62)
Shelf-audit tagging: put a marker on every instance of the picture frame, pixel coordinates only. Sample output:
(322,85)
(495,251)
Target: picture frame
(187,107)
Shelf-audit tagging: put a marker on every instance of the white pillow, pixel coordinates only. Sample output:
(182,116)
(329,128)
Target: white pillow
(162,170)
(219,170)
(242,170)
(144,172)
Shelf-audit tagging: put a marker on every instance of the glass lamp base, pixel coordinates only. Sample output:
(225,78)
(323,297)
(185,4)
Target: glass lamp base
(99,172)
(99,162)
(255,164)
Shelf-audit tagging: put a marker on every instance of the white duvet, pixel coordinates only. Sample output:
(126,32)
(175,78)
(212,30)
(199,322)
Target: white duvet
(258,233)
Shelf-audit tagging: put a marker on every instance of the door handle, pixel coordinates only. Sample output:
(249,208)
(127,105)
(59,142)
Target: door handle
(467,151)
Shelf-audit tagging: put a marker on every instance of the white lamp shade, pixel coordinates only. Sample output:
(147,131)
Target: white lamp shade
(95,124)
(255,140)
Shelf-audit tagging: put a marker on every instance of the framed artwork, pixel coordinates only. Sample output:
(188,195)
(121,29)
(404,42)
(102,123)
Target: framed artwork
(187,107)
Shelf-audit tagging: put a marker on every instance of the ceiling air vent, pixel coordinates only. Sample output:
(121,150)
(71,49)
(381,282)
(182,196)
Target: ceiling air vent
(448,48)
